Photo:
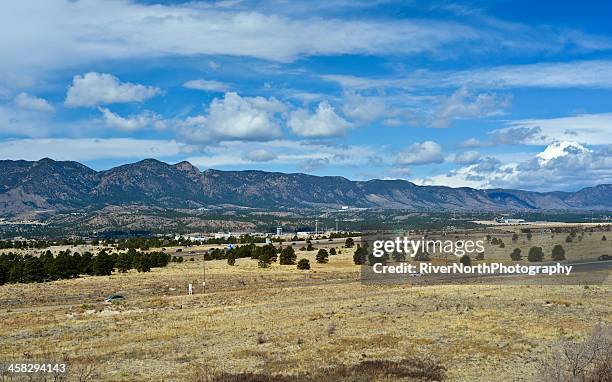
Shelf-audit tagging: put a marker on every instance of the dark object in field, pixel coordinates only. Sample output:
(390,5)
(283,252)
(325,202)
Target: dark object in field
(114,297)
(604,257)
(179,250)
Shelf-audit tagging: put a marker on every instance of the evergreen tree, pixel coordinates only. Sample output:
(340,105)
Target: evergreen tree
(303,264)
(358,257)
(349,243)
(33,269)
(231,258)
(332,252)
(123,262)
(516,255)
(322,256)
(102,264)
(287,256)
(558,253)
(535,254)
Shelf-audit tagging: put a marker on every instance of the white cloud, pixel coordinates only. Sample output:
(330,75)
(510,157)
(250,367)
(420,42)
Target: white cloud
(93,89)
(236,118)
(560,149)
(260,155)
(286,152)
(89,31)
(364,109)
(462,104)
(207,85)
(324,122)
(592,129)
(467,157)
(84,149)
(132,122)
(421,153)
(572,74)
(26,101)
(560,166)
(593,74)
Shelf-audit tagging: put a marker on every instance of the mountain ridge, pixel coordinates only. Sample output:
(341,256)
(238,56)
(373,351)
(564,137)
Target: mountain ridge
(67,185)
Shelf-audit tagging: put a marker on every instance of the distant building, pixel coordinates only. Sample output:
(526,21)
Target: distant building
(279,231)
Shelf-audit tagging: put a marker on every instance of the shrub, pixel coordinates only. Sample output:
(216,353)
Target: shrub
(465,260)
(231,258)
(586,361)
(310,247)
(516,255)
(558,253)
(332,252)
(303,264)
(349,242)
(287,256)
(358,257)
(322,256)
(535,254)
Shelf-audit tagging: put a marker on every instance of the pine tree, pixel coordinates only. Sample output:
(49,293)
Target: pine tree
(558,253)
(123,262)
(231,258)
(535,254)
(303,264)
(322,256)
(349,243)
(358,257)
(102,264)
(516,255)
(332,252)
(33,269)
(287,256)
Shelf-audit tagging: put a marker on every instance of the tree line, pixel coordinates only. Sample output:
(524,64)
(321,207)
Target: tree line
(17,268)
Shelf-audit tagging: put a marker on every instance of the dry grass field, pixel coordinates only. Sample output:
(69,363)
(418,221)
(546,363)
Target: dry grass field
(285,321)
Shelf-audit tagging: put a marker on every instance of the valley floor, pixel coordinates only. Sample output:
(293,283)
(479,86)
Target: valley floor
(283,321)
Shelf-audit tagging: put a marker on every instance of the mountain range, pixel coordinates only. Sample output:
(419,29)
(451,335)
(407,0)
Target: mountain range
(64,186)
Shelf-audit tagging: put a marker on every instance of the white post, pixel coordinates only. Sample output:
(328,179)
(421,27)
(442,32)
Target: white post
(190,289)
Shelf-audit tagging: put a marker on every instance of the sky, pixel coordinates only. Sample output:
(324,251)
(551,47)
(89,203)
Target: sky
(483,94)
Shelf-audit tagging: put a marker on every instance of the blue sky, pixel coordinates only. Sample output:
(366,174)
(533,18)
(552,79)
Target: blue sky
(482,93)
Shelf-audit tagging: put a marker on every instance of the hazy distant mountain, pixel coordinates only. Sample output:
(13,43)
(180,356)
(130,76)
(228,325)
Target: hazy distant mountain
(64,186)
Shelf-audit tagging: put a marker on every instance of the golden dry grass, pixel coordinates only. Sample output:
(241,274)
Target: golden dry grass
(282,320)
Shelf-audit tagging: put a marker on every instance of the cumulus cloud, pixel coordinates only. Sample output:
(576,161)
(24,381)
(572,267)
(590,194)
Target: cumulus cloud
(462,104)
(26,101)
(260,155)
(324,122)
(592,129)
(561,165)
(467,157)
(421,153)
(94,88)
(363,109)
(236,118)
(132,122)
(507,136)
(206,85)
